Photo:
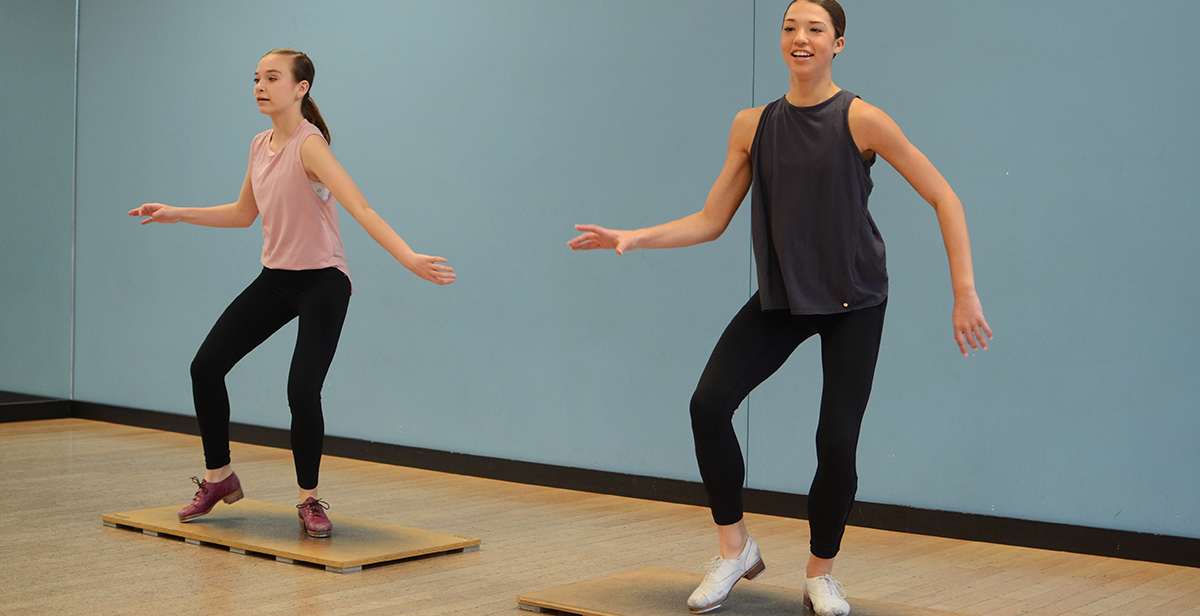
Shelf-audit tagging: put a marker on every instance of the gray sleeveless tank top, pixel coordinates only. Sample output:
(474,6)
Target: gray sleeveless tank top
(816,247)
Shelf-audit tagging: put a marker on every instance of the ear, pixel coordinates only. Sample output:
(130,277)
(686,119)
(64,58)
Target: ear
(839,45)
(303,88)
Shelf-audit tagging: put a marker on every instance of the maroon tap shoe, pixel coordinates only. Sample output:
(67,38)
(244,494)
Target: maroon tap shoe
(312,518)
(228,490)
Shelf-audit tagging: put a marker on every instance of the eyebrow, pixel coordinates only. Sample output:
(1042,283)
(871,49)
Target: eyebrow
(793,19)
(269,71)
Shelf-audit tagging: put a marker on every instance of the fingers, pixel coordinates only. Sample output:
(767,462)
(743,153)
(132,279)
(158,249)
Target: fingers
(975,337)
(441,278)
(981,337)
(148,210)
(433,271)
(595,237)
(587,241)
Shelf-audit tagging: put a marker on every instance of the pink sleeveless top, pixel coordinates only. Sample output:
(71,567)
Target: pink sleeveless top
(300,228)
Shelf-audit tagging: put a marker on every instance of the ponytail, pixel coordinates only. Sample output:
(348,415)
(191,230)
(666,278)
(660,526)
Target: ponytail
(308,108)
(303,70)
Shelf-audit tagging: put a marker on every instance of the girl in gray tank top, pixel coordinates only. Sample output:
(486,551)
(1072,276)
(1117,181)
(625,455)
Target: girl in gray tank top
(822,271)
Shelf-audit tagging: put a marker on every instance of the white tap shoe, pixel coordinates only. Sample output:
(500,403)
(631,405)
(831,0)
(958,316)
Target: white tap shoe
(722,575)
(825,596)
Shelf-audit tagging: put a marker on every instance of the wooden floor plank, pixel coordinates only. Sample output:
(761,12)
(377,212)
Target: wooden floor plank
(63,475)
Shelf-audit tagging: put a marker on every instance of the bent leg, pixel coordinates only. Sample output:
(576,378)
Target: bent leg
(849,351)
(246,323)
(754,345)
(322,309)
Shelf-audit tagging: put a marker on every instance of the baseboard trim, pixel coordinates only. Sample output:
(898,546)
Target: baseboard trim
(1183,551)
(24,407)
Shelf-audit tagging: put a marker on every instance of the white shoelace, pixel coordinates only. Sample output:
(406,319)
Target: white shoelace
(833,586)
(711,565)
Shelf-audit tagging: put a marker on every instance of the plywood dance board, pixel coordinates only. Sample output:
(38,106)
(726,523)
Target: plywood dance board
(252,527)
(655,592)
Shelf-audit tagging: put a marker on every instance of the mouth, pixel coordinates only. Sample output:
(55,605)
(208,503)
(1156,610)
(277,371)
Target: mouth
(801,54)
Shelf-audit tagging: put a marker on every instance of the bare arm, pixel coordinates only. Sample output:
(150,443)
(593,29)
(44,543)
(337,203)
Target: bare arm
(321,165)
(875,132)
(704,226)
(240,213)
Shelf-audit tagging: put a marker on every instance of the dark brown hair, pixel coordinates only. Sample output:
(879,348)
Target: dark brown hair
(835,12)
(303,70)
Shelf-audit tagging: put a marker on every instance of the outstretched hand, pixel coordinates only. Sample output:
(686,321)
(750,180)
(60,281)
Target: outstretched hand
(594,238)
(432,269)
(970,328)
(156,212)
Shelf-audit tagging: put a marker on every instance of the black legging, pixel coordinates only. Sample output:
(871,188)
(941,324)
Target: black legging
(319,298)
(753,347)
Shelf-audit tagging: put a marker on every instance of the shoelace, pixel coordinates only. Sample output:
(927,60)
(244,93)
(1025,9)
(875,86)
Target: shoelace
(203,491)
(711,565)
(833,586)
(314,507)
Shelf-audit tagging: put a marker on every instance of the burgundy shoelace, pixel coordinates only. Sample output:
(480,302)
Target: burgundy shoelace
(202,492)
(314,507)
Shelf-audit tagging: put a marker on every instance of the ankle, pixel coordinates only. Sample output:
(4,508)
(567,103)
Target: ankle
(733,539)
(818,566)
(307,494)
(217,475)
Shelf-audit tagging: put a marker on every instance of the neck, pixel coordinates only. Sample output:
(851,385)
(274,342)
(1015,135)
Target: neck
(809,91)
(284,124)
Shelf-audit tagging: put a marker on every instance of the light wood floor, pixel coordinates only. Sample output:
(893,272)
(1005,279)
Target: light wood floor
(58,477)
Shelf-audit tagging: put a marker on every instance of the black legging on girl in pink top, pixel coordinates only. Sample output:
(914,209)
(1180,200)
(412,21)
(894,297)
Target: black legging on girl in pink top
(319,298)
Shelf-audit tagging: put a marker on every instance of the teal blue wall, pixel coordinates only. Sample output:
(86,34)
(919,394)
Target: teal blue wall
(1068,129)
(483,131)
(37,71)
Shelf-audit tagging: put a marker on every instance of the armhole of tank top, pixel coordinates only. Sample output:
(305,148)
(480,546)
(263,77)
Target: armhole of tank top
(867,162)
(319,189)
(762,119)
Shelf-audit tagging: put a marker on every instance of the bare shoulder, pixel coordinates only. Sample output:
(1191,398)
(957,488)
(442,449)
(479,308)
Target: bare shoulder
(314,143)
(315,152)
(866,115)
(745,125)
(748,118)
(872,129)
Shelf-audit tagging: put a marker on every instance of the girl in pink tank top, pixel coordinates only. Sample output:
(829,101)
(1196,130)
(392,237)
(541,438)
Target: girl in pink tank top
(295,182)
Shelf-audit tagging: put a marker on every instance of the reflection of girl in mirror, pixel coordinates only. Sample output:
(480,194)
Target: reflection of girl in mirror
(806,159)
(295,182)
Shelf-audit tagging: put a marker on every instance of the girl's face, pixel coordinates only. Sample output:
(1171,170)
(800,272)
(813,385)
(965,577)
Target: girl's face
(808,41)
(274,87)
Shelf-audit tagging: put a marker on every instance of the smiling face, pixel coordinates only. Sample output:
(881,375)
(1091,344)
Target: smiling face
(809,40)
(275,89)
